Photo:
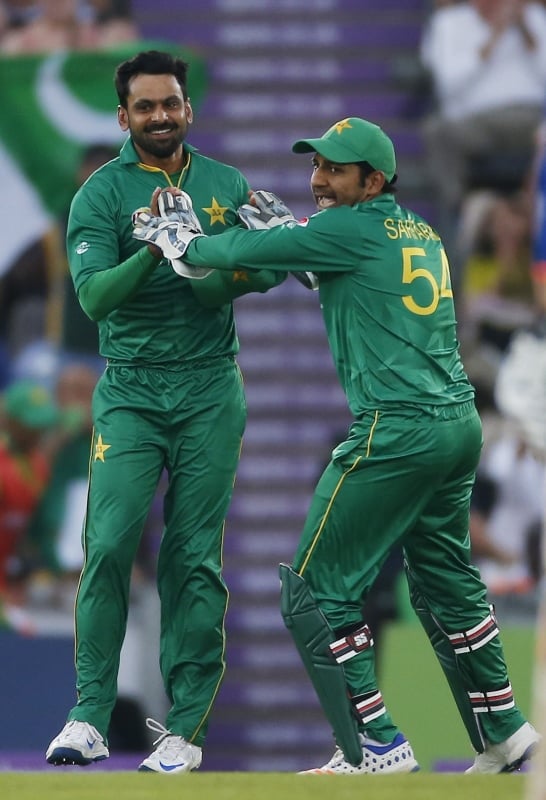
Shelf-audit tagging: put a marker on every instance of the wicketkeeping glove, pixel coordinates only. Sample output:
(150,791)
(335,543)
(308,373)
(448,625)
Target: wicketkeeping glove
(171,237)
(269,212)
(179,208)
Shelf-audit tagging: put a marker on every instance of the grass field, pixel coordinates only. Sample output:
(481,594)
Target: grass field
(258,786)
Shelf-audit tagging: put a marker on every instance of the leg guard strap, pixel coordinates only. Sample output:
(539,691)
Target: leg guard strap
(313,636)
(352,644)
(476,637)
(499,700)
(369,706)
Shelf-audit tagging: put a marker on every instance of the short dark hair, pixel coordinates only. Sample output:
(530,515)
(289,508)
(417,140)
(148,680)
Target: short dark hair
(367,169)
(149,62)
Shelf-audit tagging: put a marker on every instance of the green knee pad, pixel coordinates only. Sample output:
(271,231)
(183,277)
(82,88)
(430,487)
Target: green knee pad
(448,661)
(312,636)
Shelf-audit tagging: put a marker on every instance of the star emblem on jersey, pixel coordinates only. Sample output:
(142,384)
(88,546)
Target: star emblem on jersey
(240,275)
(100,449)
(216,212)
(342,125)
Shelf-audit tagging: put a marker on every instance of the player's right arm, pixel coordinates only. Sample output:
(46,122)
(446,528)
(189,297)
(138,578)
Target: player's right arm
(103,282)
(327,242)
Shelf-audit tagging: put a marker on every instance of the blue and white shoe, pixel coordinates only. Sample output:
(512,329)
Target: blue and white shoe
(509,755)
(78,743)
(173,754)
(377,759)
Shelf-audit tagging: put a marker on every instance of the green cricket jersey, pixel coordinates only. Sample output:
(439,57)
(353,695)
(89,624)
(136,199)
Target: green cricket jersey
(385,293)
(145,312)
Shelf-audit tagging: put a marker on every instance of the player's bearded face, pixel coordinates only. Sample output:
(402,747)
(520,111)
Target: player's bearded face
(157,115)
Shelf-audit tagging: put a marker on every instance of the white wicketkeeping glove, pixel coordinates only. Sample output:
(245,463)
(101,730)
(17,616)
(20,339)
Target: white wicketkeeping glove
(269,212)
(172,235)
(179,208)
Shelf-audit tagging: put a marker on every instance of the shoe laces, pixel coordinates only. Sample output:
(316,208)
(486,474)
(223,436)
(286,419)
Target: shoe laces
(336,759)
(163,742)
(157,727)
(339,756)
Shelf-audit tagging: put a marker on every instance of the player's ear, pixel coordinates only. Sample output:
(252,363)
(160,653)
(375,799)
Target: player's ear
(123,120)
(375,182)
(189,110)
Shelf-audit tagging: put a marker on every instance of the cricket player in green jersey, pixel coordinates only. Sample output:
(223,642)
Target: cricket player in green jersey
(405,473)
(171,398)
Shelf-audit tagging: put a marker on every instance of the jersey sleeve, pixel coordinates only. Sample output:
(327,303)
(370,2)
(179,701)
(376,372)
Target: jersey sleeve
(327,242)
(101,283)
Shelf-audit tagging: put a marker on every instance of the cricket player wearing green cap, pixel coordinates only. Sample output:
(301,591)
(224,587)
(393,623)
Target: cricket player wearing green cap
(404,475)
(170,400)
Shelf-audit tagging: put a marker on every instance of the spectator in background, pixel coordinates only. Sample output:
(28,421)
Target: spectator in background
(67,25)
(37,298)
(18,12)
(507,513)
(487,60)
(496,287)
(56,526)
(521,379)
(507,525)
(27,412)
(538,189)
(4,19)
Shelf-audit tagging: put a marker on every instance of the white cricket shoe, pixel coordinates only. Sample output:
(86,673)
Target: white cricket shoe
(78,743)
(509,755)
(377,759)
(173,753)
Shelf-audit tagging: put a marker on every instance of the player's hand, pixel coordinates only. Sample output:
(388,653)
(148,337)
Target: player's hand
(264,211)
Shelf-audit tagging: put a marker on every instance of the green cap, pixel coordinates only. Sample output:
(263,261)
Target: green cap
(351,140)
(30,404)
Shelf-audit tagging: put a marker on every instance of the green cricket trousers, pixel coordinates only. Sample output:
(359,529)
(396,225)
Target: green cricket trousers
(189,421)
(406,478)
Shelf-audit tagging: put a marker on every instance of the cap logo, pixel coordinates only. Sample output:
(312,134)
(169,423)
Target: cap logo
(340,126)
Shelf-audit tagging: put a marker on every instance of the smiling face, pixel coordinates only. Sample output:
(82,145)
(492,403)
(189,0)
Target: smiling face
(335,184)
(157,116)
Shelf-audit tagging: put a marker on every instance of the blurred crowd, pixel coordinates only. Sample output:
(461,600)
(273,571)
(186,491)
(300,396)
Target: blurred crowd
(484,133)
(483,125)
(32,26)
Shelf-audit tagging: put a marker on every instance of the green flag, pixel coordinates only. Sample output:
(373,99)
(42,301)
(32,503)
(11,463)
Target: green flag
(53,107)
